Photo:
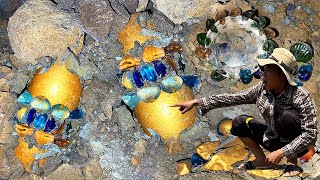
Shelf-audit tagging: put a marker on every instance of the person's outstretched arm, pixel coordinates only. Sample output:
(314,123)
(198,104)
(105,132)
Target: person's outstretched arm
(247,96)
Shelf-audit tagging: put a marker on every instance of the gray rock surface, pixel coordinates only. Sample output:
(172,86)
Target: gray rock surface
(41,22)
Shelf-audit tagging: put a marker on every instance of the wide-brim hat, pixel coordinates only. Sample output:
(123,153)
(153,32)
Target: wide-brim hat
(284,59)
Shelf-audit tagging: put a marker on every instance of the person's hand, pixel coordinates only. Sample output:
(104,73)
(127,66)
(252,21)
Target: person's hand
(186,106)
(275,157)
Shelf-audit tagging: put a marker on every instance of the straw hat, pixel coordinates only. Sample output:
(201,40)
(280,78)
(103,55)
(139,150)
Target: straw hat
(285,60)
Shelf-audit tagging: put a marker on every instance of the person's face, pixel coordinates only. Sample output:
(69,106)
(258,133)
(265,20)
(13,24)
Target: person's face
(272,77)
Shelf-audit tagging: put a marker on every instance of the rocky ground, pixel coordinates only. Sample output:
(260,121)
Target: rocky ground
(108,142)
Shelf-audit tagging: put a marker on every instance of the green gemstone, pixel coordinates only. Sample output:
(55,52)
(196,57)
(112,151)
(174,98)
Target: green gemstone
(203,39)
(303,52)
(269,46)
(260,22)
(218,75)
(210,24)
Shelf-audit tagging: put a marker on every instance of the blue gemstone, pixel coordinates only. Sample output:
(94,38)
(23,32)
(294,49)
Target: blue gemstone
(148,73)
(137,78)
(31,116)
(130,99)
(197,160)
(245,76)
(25,98)
(51,124)
(76,114)
(40,121)
(191,81)
(263,56)
(305,72)
(160,68)
(224,47)
(257,74)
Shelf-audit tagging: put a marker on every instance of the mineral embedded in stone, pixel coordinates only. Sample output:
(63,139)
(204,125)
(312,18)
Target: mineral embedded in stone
(76,114)
(173,47)
(148,94)
(148,73)
(203,39)
(197,160)
(203,52)
(210,25)
(235,12)
(137,78)
(269,46)
(270,32)
(257,74)
(250,13)
(303,52)
(151,53)
(130,99)
(171,84)
(50,125)
(40,121)
(218,75)
(60,111)
(43,138)
(245,76)
(305,72)
(41,103)
(221,15)
(22,115)
(31,116)
(127,80)
(191,81)
(25,98)
(160,68)
(184,167)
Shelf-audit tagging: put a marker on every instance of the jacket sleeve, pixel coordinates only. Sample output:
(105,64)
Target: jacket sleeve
(307,111)
(247,96)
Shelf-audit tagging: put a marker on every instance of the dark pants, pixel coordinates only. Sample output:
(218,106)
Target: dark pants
(289,129)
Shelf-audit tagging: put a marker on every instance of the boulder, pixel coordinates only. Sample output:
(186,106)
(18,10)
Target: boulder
(39,28)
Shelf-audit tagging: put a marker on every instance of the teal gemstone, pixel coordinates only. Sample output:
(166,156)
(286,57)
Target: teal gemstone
(41,103)
(210,25)
(218,75)
(60,111)
(303,52)
(25,98)
(130,99)
(269,45)
(203,39)
(149,94)
(171,84)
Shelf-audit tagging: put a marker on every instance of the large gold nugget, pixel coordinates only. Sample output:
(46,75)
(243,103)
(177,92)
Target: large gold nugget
(58,85)
(167,121)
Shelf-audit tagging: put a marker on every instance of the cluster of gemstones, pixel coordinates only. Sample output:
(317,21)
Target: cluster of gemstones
(45,121)
(158,71)
(207,40)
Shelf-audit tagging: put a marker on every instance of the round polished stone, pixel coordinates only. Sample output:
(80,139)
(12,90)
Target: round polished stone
(210,25)
(203,39)
(303,52)
(245,76)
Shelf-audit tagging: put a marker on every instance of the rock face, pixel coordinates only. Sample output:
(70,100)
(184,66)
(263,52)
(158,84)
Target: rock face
(40,29)
(96,17)
(8,7)
(182,11)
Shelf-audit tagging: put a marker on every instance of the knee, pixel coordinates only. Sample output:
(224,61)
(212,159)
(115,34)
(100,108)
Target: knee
(239,121)
(239,126)
(290,118)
